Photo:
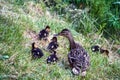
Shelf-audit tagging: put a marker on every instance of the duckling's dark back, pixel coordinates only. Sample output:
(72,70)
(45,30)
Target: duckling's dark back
(53,45)
(37,53)
(95,48)
(43,34)
(52,58)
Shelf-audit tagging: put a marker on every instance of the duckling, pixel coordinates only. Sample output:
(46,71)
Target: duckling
(96,48)
(78,58)
(36,52)
(52,58)
(43,34)
(53,45)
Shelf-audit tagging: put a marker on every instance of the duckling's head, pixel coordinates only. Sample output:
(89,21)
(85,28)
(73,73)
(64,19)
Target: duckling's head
(47,28)
(34,45)
(65,33)
(54,39)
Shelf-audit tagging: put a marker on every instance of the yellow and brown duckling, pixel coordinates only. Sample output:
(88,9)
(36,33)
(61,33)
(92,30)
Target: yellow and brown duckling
(36,52)
(53,45)
(52,58)
(96,48)
(43,34)
(77,57)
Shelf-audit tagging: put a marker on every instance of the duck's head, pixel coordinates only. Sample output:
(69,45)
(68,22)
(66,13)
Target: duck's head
(65,33)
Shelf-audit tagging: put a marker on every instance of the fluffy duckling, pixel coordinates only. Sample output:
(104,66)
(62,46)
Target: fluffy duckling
(36,52)
(77,57)
(96,48)
(53,45)
(43,34)
(52,58)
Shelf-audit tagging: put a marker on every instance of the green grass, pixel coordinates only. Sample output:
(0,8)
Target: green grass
(13,43)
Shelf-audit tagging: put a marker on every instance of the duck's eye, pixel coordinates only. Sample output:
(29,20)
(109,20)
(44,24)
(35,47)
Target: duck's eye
(65,33)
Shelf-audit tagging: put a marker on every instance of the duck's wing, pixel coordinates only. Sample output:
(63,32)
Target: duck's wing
(79,59)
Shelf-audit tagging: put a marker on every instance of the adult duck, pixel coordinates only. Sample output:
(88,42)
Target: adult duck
(78,58)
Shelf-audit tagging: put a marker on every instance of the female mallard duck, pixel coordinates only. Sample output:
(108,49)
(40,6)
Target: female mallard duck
(77,57)
(43,34)
(36,52)
(96,48)
(52,58)
(53,45)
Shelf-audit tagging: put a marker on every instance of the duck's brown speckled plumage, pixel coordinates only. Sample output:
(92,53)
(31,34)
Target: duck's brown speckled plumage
(77,57)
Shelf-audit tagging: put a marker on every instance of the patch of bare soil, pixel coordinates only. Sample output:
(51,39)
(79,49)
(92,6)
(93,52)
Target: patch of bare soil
(113,53)
(30,36)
